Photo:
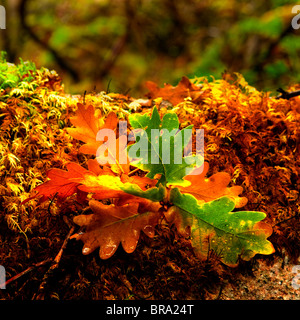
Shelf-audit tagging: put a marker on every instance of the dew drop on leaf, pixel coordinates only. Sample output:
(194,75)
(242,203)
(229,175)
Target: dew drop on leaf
(86,250)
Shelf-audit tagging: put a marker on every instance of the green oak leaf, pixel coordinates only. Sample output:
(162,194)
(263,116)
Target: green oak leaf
(159,147)
(213,226)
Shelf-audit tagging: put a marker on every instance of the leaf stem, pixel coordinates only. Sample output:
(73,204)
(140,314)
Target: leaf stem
(133,171)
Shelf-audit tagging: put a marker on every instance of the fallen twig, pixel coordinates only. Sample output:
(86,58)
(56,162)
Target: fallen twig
(40,295)
(54,265)
(287,95)
(36,265)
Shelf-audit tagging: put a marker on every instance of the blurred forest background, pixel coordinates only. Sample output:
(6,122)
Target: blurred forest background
(119,44)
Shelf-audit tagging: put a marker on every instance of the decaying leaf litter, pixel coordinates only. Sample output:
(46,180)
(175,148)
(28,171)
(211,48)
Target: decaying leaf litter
(240,123)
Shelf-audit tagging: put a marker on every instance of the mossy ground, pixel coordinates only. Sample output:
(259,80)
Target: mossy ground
(253,137)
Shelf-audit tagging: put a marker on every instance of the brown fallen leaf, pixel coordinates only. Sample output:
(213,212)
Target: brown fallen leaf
(176,94)
(111,225)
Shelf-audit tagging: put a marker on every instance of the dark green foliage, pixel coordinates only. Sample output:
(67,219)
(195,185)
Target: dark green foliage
(12,75)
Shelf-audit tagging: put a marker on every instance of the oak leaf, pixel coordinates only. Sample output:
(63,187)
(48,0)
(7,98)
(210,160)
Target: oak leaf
(212,226)
(113,153)
(160,149)
(61,184)
(93,166)
(214,187)
(111,225)
(88,122)
(176,94)
(107,187)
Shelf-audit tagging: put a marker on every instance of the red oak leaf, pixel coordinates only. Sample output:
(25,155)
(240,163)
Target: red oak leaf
(61,184)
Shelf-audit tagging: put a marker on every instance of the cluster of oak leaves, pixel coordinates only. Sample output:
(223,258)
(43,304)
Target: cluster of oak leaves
(129,198)
(133,197)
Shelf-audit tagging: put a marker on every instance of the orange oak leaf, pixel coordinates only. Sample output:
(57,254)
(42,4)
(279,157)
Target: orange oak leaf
(176,94)
(94,167)
(61,184)
(208,189)
(111,225)
(88,123)
(142,182)
(113,153)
